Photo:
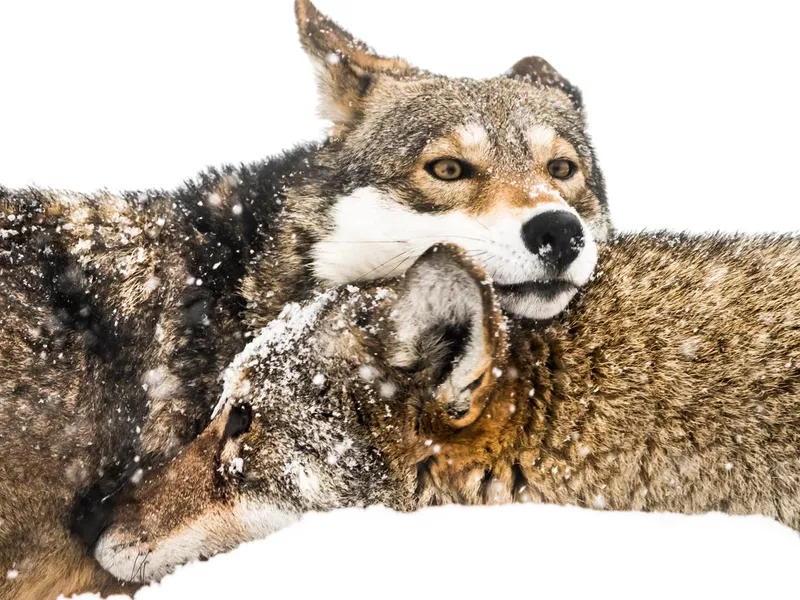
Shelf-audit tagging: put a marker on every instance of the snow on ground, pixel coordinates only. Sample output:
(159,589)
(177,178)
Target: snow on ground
(513,551)
(692,107)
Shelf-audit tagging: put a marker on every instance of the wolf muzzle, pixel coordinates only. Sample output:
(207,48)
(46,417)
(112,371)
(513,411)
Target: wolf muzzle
(556,237)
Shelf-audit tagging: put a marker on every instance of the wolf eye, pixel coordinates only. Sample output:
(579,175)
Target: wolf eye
(448,169)
(561,168)
(239,421)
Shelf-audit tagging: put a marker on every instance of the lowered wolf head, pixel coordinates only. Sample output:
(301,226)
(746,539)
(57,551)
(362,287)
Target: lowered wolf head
(337,403)
(502,167)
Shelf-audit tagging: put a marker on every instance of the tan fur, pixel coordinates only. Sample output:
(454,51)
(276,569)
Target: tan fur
(120,311)
(65,571)
(673,384)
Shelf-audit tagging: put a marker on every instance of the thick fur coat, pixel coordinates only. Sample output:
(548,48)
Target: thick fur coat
(673,384)
(121,311)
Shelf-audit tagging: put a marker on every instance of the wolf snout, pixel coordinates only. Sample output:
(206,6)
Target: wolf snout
(556,237)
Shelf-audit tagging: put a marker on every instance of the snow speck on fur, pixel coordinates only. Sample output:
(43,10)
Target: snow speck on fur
(277,340)
(649,108)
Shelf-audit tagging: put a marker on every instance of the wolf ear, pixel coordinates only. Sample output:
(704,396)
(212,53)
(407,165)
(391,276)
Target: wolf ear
(345,65)
(447,323)
(537,71)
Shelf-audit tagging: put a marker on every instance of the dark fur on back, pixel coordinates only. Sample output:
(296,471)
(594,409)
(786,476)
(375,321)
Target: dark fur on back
(118,315)
(121,311)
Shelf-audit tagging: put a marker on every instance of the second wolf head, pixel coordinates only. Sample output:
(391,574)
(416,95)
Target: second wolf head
(673,386)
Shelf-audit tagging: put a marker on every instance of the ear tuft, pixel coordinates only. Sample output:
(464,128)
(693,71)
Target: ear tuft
(320,36)
(345,65)
(447,319)
(537,71)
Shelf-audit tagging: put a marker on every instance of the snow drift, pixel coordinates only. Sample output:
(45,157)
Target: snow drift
(513,551)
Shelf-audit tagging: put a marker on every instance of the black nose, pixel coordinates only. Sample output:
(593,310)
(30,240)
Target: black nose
(556,237)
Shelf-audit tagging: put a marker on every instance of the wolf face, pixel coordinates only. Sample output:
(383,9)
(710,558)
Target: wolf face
(502,167)
(307,409)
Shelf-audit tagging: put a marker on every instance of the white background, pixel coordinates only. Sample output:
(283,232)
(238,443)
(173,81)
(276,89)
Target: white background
(693,105)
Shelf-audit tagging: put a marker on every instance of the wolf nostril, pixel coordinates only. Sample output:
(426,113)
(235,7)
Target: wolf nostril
(556,237)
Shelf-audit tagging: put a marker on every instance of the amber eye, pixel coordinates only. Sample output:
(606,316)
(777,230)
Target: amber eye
(447,169)
(561,168)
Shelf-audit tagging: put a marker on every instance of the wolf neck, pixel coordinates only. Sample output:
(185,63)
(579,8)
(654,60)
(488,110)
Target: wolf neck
(660,390)
(283,270)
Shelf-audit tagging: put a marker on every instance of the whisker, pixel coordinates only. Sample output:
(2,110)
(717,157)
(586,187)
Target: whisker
(390,273)
(401,255)
(481,224)
(366,242)
(410,240)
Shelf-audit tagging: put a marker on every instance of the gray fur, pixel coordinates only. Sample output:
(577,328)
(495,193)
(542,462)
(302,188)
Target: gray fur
(121,311)
(672,385)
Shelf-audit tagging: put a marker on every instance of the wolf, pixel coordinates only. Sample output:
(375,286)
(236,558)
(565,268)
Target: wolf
(120,311)
(672,385)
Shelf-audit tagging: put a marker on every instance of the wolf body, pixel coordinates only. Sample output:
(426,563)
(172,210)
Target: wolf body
(672,385)
(120,311)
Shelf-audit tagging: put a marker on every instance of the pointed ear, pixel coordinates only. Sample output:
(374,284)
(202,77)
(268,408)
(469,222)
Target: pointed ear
(345,65)
(537,71)
(447,322)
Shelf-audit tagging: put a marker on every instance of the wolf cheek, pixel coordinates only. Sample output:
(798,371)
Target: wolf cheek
(536,256)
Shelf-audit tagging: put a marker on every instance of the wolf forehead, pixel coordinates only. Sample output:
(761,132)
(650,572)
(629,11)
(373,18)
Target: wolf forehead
(406,116)
(303,346)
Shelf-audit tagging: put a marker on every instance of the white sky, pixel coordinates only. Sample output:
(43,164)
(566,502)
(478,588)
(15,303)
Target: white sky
(693,106)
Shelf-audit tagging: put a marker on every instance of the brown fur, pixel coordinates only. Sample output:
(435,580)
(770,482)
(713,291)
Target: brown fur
(672,385)
(120,311)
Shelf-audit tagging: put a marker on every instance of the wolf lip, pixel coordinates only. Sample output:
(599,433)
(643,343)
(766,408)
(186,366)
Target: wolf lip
(547,289)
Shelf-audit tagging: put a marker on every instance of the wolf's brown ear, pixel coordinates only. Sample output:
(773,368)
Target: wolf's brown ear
(447,322)
(537,71)
(345,65)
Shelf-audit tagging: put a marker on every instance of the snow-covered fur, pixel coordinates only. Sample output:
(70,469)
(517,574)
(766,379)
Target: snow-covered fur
(121,311)
(673,385)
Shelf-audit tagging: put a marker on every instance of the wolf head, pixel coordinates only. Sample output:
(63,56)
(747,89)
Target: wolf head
(335,404)
(503,167)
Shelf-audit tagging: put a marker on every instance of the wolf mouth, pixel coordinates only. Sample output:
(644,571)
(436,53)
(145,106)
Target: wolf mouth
(546,289)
